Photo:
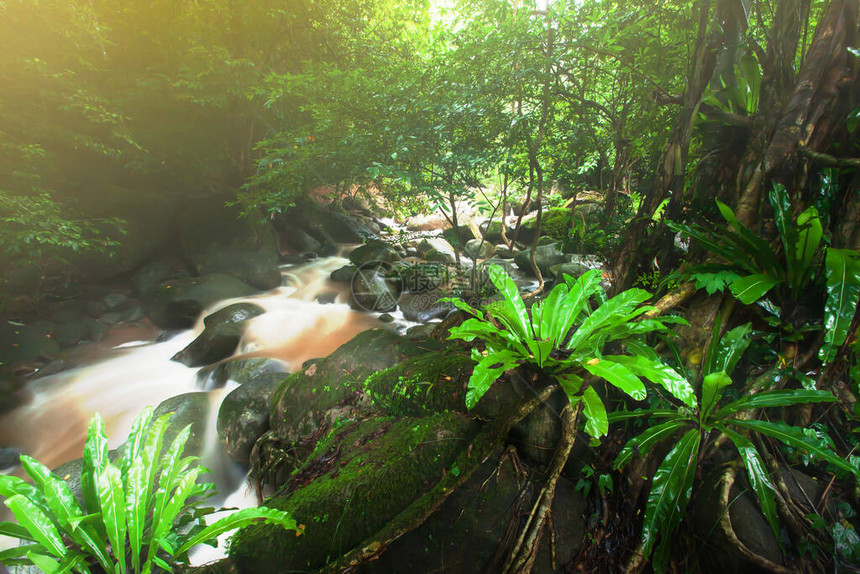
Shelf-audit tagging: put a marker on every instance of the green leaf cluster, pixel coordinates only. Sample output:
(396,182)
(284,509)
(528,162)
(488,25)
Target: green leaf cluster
(673,481)
(140,512)
(565,338)
(754,268)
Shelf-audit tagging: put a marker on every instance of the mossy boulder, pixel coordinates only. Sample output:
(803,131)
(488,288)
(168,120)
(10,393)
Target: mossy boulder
(373,250)
(436,249)
(479,248)
(329,390)
(433,382)
(353,484)
(188,409)
(556,223)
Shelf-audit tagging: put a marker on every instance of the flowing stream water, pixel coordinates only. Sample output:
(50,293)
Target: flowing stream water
(295,327)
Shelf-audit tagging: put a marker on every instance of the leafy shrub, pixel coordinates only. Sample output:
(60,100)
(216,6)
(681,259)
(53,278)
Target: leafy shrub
(547,340)
(139,512)
(672,484)
(753,268)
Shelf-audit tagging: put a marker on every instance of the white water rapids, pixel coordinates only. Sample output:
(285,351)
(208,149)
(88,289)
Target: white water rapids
(295,327)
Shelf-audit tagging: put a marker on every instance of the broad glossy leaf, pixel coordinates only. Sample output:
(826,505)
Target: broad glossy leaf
(16,555)
(136,438)
(724,244)
(172,465)
(540,351)
(617,310)
(11,485)
(810,233)
(471,329)
(756,249)
(485,373)
(112,500)
(794,437)
(780,201)
(44,563)
(670,491)
(14,530)
(95,457)
(41,528)
(511,311)
(462,305)
(751,288)
(136,508)
(238,520)
(545,314)
(616,416)
(659,374)
(645,441)
(618,375)
(842,268)
(777,398)
(712,391)
(570,384)
(596,422)
(184,489)
(729,349)
(758,477)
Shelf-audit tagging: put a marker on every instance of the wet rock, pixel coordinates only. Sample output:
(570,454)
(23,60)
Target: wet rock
(240,371)
(176,304)
(479,249)
(218,239)
(576,266)
(222,332)
(147,277)
(423,307)
(743,519)
(372,251)
(436,249)
(9,458)
(326,226)
(188,409)
(375,289)
(71,333)
(492,231)
(326,298)
(244,416)
(504,251)
(356,481)
(545,257)
(344,274)
(386,318)
(459,236)
(299,241)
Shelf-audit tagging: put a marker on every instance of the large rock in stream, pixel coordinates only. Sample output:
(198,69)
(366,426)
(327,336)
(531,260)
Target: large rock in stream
(177,303)
(221,334)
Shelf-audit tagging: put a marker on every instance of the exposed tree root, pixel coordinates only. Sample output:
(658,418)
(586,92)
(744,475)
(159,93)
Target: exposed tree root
(671,300)
(727,480)
(482,446)
(522,556)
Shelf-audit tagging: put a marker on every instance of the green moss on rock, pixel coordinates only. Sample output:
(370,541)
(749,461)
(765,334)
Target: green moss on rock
(433,382)
(355,482)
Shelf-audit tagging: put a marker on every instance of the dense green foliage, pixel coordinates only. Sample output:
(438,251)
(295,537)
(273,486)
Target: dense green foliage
(565,339)
(141,511)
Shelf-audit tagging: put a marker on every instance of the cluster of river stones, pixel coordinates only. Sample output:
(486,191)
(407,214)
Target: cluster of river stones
(355,441)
